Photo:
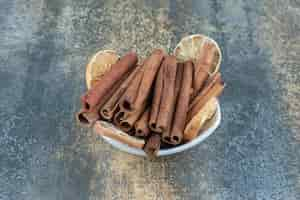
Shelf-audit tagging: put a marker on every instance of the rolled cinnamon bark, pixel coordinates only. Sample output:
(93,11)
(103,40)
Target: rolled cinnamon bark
(130,117)
(118,117)
(141,126)
(166,93)
(93,97)
(106,129)
(153,145)
(125,119)
(167,107)
(156,100)
(110,107)
(203,66)
(166,135)
(213,89)
(182,104)
(127,101)
(88,117)
(211,82)
(136,100)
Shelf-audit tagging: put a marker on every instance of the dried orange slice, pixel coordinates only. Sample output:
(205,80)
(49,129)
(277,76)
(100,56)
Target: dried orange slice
(190,47)
(199,121)
(98,65)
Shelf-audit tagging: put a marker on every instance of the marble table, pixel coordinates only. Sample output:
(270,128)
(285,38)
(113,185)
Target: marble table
(45,155)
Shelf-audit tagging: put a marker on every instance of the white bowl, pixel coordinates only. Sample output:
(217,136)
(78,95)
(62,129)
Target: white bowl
(171,151)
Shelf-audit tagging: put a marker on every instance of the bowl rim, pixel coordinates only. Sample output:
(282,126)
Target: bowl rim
(166,152)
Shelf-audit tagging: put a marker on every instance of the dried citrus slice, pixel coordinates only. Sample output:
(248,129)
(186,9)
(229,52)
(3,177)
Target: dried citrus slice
(190,47)
(98,65)
(200,120)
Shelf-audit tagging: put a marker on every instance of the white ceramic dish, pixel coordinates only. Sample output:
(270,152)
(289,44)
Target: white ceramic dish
(174,150)
(190,43)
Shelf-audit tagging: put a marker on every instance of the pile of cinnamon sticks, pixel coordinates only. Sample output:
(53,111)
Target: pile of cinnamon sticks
(151,101)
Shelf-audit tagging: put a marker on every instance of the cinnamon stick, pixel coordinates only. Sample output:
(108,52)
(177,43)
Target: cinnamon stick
(158,89)
(129,118)
(133,103)
(141,126)
(118,116)
(88,117)
(166,95)
(94,96)
(153,145)
(182,104)
(127,101)
(211,82)
(128,115)
(213,89)
(137,97)
(125,119)
(166,106)
(203,66)
(166,136)
(110,107)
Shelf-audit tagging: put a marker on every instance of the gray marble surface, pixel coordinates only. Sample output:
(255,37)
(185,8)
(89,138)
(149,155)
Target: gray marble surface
(45,155)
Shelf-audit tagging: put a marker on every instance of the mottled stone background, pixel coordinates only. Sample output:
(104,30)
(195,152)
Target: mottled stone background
(45,155)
